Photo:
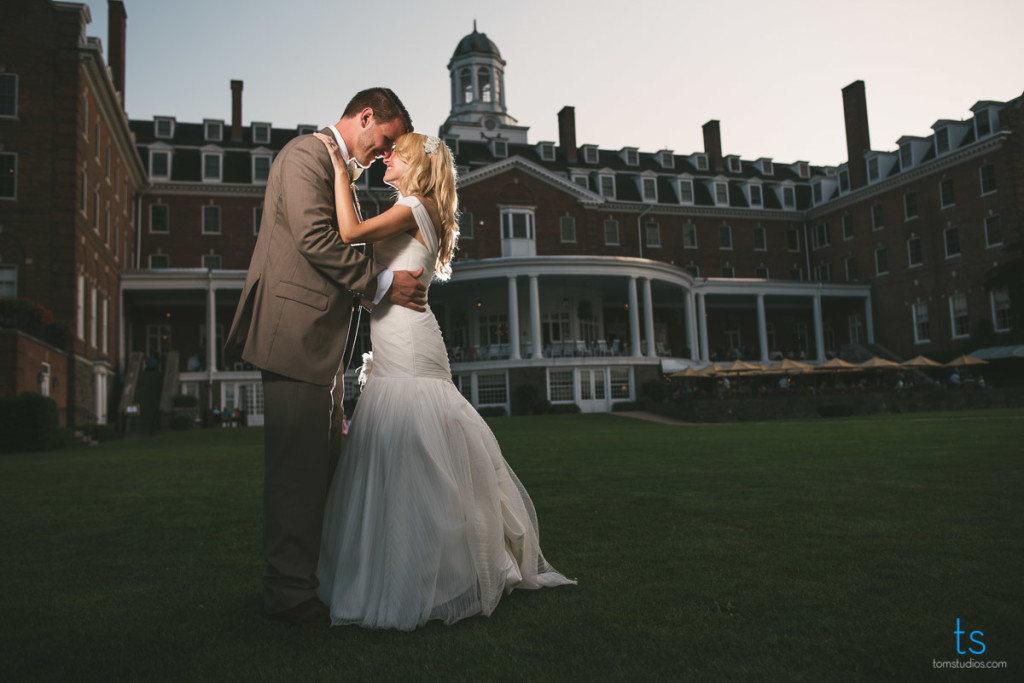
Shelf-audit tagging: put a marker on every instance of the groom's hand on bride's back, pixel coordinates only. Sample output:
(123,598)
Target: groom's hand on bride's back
(406,290)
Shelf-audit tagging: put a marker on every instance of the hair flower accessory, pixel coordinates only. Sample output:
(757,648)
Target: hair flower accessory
(431,144)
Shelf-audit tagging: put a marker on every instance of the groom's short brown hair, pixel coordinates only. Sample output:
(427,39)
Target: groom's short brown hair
(385,105)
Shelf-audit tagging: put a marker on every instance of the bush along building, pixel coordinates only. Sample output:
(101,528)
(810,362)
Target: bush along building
(584,272)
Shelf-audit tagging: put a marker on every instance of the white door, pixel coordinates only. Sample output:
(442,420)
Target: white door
(593,391)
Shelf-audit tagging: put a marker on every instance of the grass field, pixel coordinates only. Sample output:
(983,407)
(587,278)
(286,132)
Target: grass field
(826,550)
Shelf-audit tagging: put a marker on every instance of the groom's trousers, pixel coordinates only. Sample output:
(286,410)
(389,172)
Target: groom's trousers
(299,463)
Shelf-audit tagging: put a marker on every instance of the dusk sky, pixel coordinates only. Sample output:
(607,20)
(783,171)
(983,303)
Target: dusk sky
(643,73)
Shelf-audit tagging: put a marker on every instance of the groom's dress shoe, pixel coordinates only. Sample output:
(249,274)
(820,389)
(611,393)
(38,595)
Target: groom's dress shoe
(312,612)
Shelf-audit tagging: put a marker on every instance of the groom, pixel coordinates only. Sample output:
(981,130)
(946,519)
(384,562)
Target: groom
(292,322)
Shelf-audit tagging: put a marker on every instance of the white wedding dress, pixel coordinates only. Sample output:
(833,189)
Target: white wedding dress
(424,519)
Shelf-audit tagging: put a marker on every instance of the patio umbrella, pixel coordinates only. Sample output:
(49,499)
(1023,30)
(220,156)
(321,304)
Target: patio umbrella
(837,365)
(920,362)
(961,361)
(738,366)
(689,372)
(877,363)
(787,366)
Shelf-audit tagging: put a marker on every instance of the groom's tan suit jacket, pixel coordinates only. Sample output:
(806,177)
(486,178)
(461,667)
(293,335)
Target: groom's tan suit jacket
(296,307)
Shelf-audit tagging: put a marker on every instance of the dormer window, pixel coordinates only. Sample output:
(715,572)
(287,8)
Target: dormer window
(756,198)
(213,165)
(630,156)
(906,156)
(844,180)
(649,188)
(607,184)
(942,140)
(261,168)
(982,123)
(666,159)
(213,131)
(546,151)
(734,164)
(581,180)
(160,163)
(701,162)
(499,148)
(305,129)
(261,133)
(685,191)
(789,197)
(872,169)
(163,127)
(817,193)
(590,154)
(767,167)
(721,193)
(803,169)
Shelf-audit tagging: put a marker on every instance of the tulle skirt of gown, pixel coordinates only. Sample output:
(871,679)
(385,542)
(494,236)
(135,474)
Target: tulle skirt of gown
(425,520)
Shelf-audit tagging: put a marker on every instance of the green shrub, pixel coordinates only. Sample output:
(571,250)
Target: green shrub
(836,410)
(492,411)
(182,421)
(527,399)
(106,432)
(654,391)
(628,405)
(184,401)
(562,408)
(30,422)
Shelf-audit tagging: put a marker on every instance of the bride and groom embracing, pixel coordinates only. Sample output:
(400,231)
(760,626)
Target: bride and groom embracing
(420,517)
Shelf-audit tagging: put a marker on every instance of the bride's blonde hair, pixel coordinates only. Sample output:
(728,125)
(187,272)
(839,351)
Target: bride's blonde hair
(432,174)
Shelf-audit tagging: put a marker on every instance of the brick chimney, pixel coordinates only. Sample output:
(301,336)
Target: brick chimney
(117,21)
(713,144)
(858,141)
(236,111)
(567,133)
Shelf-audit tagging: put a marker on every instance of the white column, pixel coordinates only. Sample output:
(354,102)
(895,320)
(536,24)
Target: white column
(762,328)
(538,352)
(634,320)
(649,318)
(513,318)
(211,326)
(702,324)
(869,322)
(691,325)
(819,329)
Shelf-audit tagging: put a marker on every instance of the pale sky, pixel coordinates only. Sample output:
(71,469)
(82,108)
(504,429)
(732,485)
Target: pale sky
(640,73)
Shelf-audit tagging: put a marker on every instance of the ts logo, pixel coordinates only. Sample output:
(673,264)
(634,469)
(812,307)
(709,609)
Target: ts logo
(973,639)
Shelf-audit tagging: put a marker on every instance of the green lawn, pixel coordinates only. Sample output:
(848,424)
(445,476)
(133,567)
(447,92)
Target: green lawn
(824,550)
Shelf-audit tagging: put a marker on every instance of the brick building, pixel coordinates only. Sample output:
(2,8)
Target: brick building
(71,177)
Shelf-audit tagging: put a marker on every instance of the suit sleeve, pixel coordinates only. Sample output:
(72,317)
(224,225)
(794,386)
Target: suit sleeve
(307,200)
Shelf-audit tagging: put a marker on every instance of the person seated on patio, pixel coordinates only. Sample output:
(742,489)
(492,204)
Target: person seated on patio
(981,381)
(193,363)
(954,378)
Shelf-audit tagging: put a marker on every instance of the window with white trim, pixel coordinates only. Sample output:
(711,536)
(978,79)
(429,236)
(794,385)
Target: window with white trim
(8,175)
(993,233)
(820,236)
(816,193)
(260,168)
(728,271)
(692,268)
(547,151)
(946,195)
(847,226)
(877,217)
(942,140)
(725,237)
(631,156)
(581,180)
(796,273)
(951,238)
(914,257)
(793,239)
(211,220)
(80,306)
(721,193)
(788,197)
(767,168)
(1001,318)
(163,128)
(159,261)
(309,130)
(93,294)
(607,185)
(211,261)
(686,191)
(755,196)
(650,188)
(851,268)
(803,169)
(561,387)
(906,156)
(8,282)
(958,319)
(689,236)
(261,133)
(492,389)
(734,164)
(761,272)
(872,169)
(466,225)
(518,232)
(881,261)
(105,324)
(213,131)
(667,159)
(499,148)
(652,231)
(760,238)
(159,164)
(611,231)
(922,331)
(621,381)
(701,162)
(987,175)
(212,166)
(590,154)
(567,225)
(910,205)
(982,123)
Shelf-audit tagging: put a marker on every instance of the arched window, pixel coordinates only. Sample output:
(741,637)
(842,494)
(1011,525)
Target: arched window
(483,79)
(497,88)
(466,85)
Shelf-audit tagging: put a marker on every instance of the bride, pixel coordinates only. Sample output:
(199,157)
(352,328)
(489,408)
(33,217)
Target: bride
(424,519)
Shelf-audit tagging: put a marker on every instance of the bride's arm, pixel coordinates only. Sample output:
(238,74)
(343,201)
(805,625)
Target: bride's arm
(393,221)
